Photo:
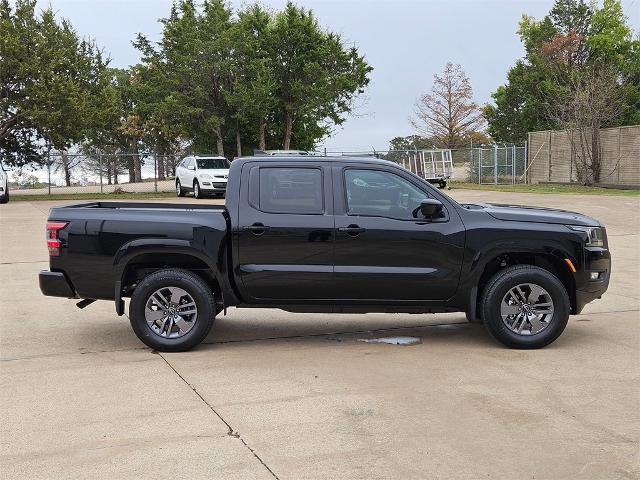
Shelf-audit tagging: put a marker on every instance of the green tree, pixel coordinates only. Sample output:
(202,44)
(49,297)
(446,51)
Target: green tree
(562,52)
(317,76)
(51,82)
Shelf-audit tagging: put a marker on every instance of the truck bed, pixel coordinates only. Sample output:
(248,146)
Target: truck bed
(145,206)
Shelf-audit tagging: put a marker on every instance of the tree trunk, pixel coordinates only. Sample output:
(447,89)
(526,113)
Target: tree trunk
(67,174)
(262,143)
(160,167)
(131,165)
(286,144)
(238,141)
(138,165)
(595,154)
(220,145)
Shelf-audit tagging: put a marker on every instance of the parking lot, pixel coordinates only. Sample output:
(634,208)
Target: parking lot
(278,395)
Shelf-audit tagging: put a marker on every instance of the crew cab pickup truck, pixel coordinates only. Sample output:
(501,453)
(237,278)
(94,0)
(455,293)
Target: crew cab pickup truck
(323,234)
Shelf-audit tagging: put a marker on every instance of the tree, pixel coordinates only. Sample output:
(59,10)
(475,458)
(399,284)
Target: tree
(316,75)
(50,82)
(448,114)
(594,101)
(252,96)
(562,51)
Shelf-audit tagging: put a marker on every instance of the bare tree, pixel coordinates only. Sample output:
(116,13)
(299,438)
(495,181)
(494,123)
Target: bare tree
(448,113)
(593,101)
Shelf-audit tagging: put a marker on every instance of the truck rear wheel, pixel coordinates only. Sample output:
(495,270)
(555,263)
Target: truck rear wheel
(172,310)
(524,306)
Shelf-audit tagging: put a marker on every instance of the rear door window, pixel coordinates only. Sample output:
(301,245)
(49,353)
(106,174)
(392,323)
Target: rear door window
(291,190)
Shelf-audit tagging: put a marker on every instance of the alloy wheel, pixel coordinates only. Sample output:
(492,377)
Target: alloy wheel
(527,309)
(170,312)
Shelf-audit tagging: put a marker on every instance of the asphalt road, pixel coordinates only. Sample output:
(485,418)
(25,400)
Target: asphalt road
(291,396)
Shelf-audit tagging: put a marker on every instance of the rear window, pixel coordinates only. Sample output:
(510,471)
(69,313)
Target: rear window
(206,163)
(291,190)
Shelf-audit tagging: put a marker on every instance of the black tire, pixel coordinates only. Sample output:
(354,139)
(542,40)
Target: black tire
(179,190)
(197,193)
(194,286)
(510,277)
(5,198)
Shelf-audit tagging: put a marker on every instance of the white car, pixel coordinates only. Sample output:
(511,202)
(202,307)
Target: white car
(202,175)
(4,186)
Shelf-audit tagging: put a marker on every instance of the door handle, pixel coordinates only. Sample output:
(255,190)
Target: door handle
(352,230)
(257,228)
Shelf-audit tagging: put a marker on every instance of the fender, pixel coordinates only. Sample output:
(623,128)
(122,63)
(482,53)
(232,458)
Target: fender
(478,260)
(135,248)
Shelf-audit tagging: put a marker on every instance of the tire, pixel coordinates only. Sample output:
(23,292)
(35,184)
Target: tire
(543,329)
(5,198)
(179,191)
(197,193)
(197,324)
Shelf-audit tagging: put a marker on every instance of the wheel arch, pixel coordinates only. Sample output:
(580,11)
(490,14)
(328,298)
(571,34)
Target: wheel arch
(553,262)
(138,258)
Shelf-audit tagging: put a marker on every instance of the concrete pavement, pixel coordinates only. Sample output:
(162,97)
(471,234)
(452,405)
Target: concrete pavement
(278,395)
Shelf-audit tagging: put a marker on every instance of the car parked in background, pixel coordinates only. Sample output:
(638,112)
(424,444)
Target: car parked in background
(4,185)
(202,175)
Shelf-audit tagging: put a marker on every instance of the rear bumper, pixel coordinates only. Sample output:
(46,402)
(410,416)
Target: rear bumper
(55,284)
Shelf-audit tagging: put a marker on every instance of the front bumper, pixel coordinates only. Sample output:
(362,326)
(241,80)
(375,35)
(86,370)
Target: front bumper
(55,284)
(213,186)
(595,260)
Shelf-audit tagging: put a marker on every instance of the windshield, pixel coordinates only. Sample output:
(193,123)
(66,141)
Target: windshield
(207,163)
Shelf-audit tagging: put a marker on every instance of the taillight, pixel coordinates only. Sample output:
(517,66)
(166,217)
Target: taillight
(53,241)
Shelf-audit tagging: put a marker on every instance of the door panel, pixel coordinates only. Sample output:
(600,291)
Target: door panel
(286,232)
(378,257)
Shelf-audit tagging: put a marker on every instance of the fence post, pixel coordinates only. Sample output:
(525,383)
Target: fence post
(513,164)
(49,168)
(495,164)
(100,170)
(526,159)
(155,172)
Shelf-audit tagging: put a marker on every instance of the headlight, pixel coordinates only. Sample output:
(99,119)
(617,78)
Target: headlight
(595,235)
(205,176)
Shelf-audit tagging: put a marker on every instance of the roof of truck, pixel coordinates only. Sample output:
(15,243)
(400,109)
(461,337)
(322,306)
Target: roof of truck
(314,158)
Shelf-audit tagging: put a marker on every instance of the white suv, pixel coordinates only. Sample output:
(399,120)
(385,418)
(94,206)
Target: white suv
(202,175)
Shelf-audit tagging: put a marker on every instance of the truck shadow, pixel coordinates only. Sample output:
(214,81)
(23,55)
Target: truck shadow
(458,331)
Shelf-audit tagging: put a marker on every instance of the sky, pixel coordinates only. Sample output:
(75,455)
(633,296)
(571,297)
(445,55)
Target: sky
(405,41)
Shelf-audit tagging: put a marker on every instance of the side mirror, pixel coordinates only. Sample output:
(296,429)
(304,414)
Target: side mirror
(430,207)
(192,167)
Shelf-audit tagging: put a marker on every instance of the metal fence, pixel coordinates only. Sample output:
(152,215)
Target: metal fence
(498,165)
(103,173)
(98,173)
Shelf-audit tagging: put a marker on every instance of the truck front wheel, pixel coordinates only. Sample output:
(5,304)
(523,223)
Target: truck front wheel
(172,310)
(524,306)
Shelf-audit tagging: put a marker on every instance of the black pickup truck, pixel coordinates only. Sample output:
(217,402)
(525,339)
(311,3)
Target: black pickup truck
(323,234)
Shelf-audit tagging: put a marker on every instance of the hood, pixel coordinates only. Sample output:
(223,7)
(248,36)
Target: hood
(521,213)
(222,173)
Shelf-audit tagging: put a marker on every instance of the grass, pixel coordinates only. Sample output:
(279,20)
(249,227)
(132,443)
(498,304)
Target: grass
(547,188)
(92,196)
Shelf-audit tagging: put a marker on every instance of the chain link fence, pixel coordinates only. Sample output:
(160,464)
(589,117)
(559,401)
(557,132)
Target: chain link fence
(64,173)
(497,165)
(103,173)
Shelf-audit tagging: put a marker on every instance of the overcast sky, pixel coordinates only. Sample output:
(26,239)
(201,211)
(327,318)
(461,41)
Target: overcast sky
(405,41)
